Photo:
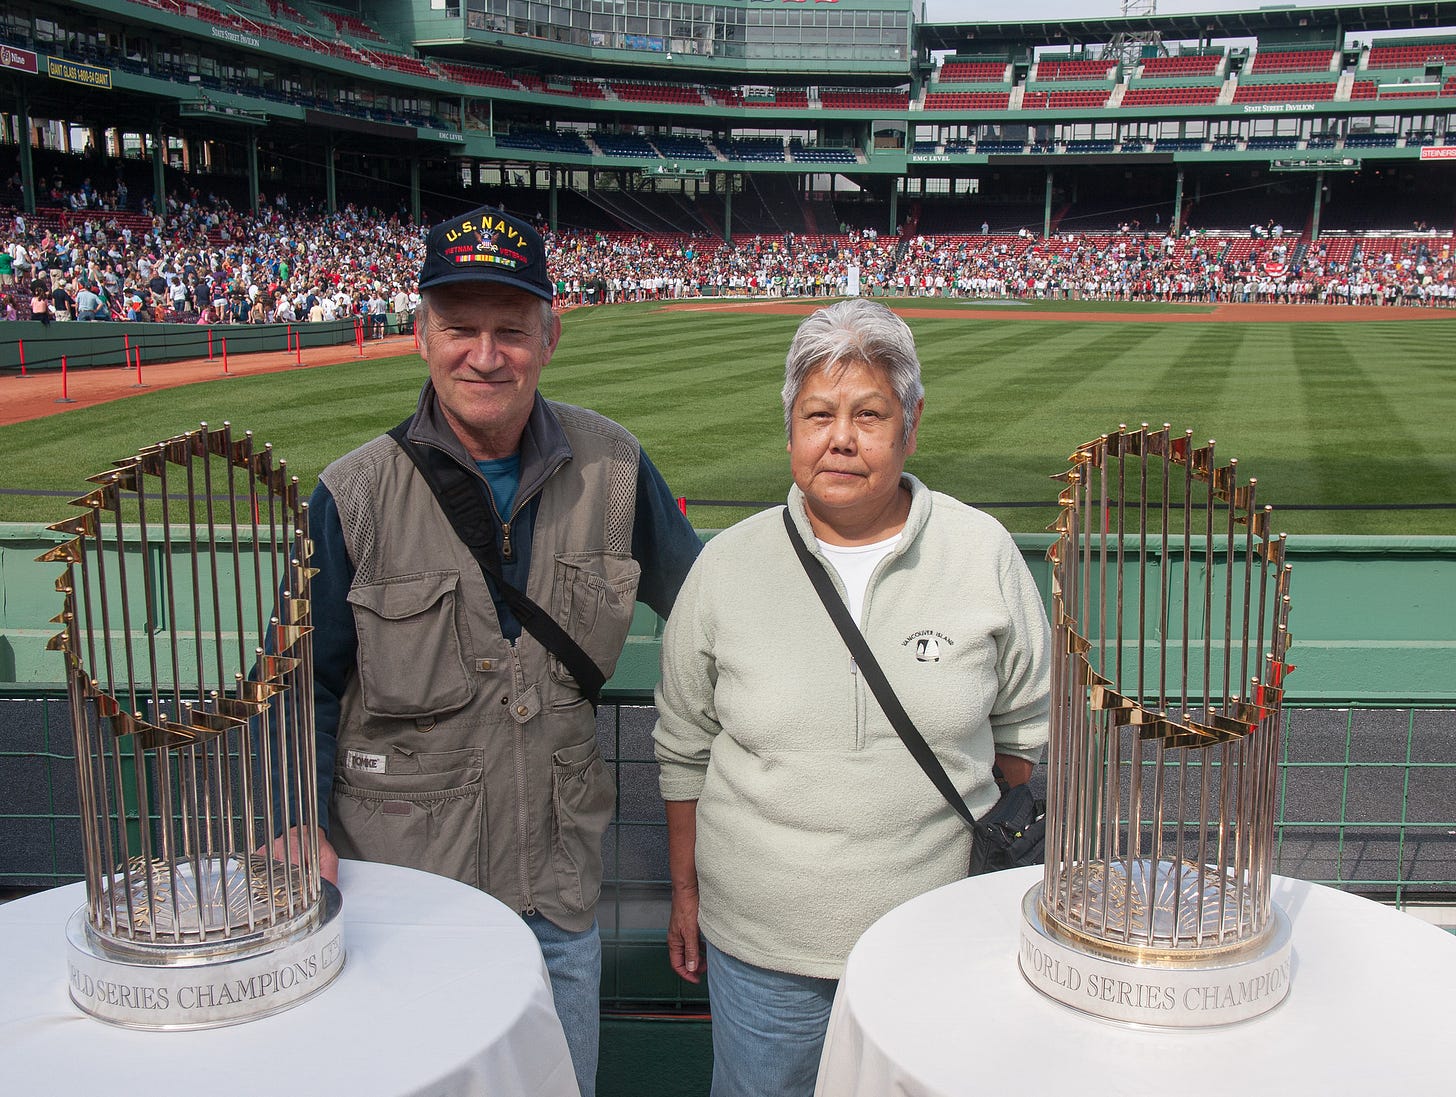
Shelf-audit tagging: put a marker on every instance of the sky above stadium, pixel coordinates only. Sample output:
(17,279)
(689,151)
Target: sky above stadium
(974,11)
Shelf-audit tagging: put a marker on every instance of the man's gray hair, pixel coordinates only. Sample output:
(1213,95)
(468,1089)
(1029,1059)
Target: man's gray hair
(856,330)
(422,317)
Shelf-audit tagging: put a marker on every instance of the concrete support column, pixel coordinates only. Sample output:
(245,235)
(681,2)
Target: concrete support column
(894,206)
(1046,219)
(414,166)
(253,180)
(159,164)
(1319,197)
(1178,204)
(331,195)
(727,207)
(551,200)
(27,163)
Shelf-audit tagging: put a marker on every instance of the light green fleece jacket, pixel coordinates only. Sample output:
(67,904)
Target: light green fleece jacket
(813,819)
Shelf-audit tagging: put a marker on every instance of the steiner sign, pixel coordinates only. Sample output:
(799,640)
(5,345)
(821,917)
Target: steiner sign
(1438,152)
(73,72)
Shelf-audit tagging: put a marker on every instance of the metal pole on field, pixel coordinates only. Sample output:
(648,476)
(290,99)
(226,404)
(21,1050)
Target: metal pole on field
(21,344)
(65,388)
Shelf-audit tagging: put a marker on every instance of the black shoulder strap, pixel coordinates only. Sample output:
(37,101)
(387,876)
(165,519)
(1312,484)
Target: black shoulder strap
(460,498)
(874,676)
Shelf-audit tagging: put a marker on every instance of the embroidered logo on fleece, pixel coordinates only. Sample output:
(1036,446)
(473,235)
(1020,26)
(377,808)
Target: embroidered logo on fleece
(927,644)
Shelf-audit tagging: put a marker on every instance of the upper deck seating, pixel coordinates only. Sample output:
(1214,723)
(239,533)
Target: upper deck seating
(1297,91)
(1170,97)
(1075,70)
(1191,64)
(1410,56)
(973,72)
(967,100)
(1271,61)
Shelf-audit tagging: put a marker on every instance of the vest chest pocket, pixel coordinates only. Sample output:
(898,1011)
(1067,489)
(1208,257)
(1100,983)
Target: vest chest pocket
(424,811)
(593,595)
(410,660)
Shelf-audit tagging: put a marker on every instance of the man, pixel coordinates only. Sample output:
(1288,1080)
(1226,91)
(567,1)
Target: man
(88,305)
(377,312)
(62,300)
(401,305)
(450,738)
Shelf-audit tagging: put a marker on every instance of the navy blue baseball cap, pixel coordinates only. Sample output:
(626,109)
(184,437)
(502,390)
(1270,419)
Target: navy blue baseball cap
(486,245)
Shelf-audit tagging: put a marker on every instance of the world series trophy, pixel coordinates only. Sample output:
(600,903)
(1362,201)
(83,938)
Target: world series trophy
(1170,601)
(188,653)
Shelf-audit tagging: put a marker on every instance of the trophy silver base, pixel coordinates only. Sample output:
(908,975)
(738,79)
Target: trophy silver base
(1202,992)
(162,989)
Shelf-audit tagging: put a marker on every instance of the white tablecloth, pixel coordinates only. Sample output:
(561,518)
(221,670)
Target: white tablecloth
(443,994)
(933,1004)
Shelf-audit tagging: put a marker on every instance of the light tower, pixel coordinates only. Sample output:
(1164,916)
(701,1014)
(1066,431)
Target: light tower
(1131,47)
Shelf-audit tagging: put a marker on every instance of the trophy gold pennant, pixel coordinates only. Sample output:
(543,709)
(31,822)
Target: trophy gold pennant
(1170,603)
(187,649)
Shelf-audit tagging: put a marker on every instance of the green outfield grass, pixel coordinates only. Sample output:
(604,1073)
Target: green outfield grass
(1324,414)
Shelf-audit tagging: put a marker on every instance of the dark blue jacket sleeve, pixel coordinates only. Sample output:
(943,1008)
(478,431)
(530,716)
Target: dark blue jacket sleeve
(663,541)
(335,643)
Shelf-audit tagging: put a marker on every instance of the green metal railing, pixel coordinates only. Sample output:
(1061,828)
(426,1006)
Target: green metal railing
(1365,805)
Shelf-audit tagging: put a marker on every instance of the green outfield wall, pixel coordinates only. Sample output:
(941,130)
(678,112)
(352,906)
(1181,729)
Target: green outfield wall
(107,343)
(1373,618)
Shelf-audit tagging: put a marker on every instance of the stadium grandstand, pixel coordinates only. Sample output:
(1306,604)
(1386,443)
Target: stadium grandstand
(274,162)
(732,118)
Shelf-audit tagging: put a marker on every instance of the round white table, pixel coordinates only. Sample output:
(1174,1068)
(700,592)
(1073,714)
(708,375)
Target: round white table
(443,994)
(933,1004)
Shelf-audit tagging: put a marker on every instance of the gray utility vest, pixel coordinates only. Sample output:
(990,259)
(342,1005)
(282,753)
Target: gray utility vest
(459,752)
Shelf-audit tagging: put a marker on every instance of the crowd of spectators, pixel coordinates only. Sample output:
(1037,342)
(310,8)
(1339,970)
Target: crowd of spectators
(1123,266)
(198,260)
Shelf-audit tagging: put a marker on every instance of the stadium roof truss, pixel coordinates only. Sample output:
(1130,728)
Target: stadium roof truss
(1189,26)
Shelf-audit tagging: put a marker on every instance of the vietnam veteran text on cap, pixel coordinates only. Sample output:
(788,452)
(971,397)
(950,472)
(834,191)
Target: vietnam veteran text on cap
(486,245)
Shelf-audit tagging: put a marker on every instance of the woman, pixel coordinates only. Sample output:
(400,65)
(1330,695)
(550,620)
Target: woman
(40,303)
(796,816)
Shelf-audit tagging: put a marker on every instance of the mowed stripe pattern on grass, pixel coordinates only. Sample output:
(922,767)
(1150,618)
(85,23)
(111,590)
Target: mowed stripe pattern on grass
(1323,414)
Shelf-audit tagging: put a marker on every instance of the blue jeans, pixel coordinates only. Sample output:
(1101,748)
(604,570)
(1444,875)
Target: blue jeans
(574,961)
(768,1028)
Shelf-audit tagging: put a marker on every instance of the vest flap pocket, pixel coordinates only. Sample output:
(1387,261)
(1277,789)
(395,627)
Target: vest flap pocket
(582,798)
(410,650)
(421,810)
(593,596)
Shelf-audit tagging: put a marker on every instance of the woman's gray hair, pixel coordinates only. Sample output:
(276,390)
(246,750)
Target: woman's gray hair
(856,330)
(422,318)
